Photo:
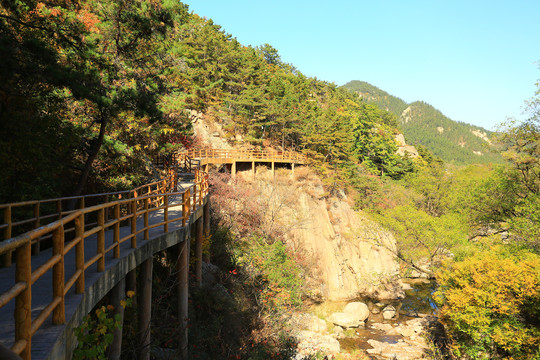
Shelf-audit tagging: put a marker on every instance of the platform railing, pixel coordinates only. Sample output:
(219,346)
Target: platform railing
(245,154)
(117,209)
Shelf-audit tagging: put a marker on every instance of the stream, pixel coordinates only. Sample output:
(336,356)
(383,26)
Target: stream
(418,303)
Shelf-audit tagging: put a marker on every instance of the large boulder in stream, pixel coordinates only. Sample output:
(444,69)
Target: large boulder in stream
(357,308)
(353,315)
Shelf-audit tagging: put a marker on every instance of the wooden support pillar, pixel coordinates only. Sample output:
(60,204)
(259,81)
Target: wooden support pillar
(273,169)
(233,169)
(182,271)
(207,227)
(253,169)
(145,308)
(198,250)
(117,294)
(292,172)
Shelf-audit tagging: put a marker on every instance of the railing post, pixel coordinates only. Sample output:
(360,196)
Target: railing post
(59,208)
(166,213)
(36,247)
(23,301)
(133,221)
(82,205)
(186,207)
(7,234)
(146,206)
(195,197)
(79,251)
(117,231)
(59,316)
(101,239)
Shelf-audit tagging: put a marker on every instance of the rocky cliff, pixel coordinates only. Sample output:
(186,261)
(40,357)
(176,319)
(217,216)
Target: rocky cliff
(347,255)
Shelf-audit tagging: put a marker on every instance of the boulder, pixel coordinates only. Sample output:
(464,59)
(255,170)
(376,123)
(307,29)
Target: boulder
(359,309)
(338,332)
(345,320)
(210,274)
(389,312)
(311,343)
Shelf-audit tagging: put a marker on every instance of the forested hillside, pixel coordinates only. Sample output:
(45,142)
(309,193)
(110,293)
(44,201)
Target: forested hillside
(99,88)
(422,124)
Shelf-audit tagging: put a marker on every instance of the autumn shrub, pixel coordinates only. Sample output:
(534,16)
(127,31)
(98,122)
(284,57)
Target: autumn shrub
(275,274)
(491,305)
(96,332)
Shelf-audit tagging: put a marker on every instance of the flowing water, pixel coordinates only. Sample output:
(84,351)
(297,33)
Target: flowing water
(418,302)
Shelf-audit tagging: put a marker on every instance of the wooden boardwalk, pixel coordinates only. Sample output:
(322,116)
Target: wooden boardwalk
(97,283)
(44,297)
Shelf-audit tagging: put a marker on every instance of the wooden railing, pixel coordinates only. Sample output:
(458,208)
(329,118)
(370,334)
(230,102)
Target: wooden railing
(117,208)
(245,155)
(24,216)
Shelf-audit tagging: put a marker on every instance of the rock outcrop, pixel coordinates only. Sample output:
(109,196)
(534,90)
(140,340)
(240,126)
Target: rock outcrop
(349,256)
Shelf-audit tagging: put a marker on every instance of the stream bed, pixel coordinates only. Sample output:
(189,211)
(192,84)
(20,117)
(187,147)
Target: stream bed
(401,337)
(417,304)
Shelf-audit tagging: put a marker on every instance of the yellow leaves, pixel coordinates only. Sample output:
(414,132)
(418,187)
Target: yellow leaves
(123,303)
(130,294)
(167,130)
(488,299)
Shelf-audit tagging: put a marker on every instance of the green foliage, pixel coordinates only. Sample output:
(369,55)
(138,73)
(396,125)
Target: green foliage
(491,305)
(276,275)
(423,125)
(96,332)
(424,238)
(521,180)
(74,73)
(373,94)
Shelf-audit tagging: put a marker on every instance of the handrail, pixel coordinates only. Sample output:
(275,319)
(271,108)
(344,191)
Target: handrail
(244,154)
(51,209)
(109,215)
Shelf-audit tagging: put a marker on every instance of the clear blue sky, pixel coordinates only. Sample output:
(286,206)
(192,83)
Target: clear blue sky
(475,60)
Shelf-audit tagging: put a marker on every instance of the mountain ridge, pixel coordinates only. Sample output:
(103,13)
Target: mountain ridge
(422,124)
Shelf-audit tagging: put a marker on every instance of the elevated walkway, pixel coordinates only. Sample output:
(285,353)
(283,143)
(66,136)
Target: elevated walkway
(66,261)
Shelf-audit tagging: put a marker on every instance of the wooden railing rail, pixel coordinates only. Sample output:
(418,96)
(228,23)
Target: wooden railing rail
(24,216)
(245,154)
(107,216)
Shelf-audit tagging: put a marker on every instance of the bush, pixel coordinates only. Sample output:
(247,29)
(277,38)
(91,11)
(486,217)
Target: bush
(491,306)
(273,272)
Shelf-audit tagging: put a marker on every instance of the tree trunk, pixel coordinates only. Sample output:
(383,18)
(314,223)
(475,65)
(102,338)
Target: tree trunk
(94,150)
